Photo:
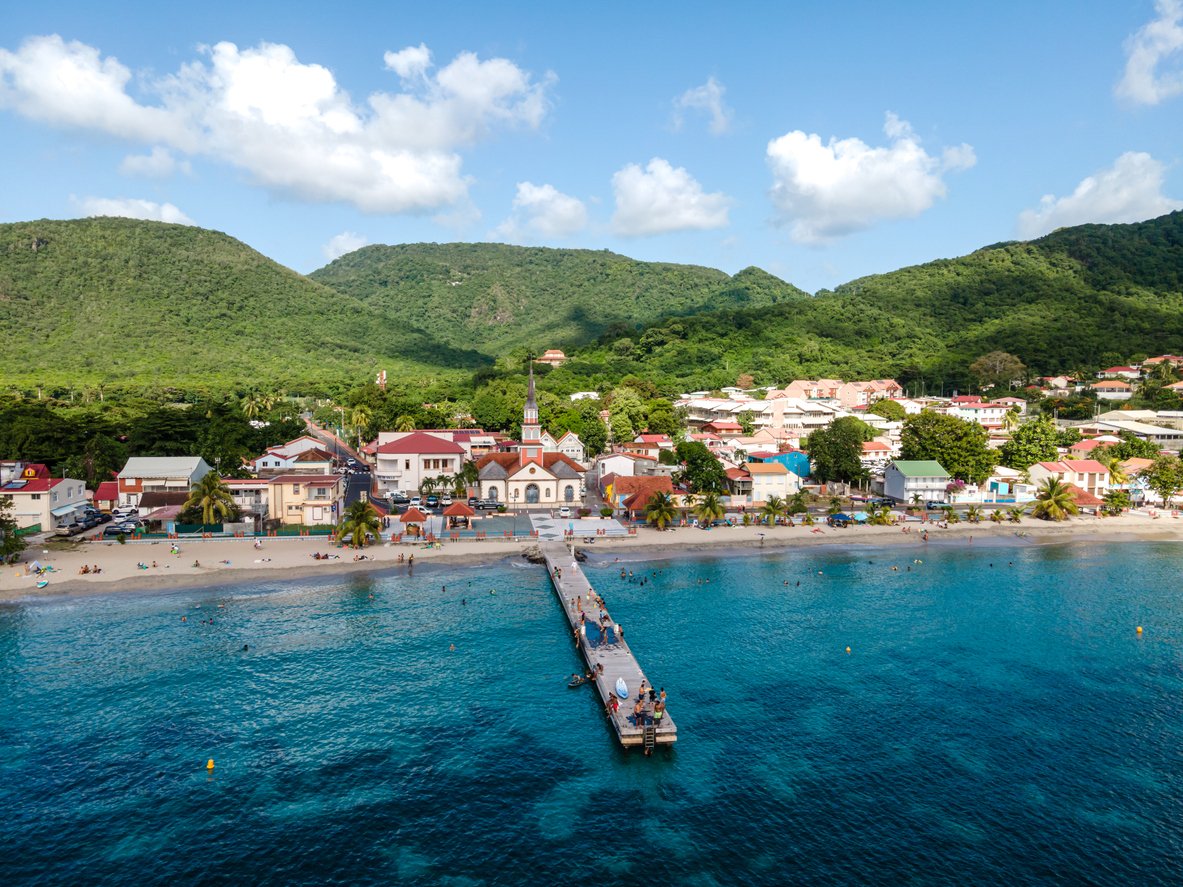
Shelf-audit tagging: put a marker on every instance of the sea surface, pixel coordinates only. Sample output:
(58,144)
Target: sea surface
(997,720)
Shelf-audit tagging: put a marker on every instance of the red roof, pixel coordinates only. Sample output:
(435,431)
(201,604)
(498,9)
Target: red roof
(1083,497)
(510,461)
(653,438)
(412,516)
(1085,466)
(1085,446)
(34,485)
(1120,370)
(874,446)
(724,426)
(459,509)
(967,398)
(736,474)
(108,491)
(419,442)
(641,488)
(311,480)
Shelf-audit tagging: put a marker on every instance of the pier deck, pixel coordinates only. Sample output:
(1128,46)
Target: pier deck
(615,656)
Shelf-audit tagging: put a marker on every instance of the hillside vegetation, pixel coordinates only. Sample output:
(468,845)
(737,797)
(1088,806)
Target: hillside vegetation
(113,301)
(1077,299)
(498,297)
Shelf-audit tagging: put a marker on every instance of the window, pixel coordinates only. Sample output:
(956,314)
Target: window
(569,493)
(491,495)
(532,494)
(296,489)
(36,496)
(407,467)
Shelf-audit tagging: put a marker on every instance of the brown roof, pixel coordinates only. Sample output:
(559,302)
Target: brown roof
(412,516)
(459,509)
(419,442)
(510,461)
(638,490)
(765,468)
(161,499)
(313,455)
(1083,497)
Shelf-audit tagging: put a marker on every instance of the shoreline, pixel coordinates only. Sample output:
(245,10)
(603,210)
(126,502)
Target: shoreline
(228,562)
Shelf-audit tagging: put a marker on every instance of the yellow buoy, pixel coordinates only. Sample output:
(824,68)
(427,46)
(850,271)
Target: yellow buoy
(1139,629)
(848,651)
(209,764)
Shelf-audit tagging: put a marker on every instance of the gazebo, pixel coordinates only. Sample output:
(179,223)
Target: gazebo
(459,513)
(412,519)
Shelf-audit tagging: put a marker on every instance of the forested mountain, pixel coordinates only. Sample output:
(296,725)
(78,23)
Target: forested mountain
(118,301)
(495,297)
(113,301)
(1079,298)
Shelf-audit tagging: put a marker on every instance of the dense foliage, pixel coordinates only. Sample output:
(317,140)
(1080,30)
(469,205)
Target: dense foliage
(834,452)
(961,447)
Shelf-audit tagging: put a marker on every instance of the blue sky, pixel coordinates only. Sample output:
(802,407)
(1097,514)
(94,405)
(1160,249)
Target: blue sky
(821,142)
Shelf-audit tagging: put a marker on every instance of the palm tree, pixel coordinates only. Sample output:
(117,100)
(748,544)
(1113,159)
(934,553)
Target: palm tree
(798,502)
(427,485)
(359,519)
(252,405)
(710,509)
(974,514)
(1010,419)
(213,498)
(951,516)
(808,520)
(659,510)
(1015,513)
(404,423)
(996,516)
(360,418)
(1054,501)
(468,476)
(881,516)
(835,505)
(773,509)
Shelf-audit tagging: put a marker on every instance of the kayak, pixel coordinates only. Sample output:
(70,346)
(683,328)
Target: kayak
(576,682)
(621,688)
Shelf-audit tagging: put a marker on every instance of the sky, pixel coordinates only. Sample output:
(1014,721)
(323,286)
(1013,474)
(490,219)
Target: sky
(819,141)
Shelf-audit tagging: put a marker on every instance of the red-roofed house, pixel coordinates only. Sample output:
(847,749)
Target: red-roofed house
(1127,373)
(1084,499)
(721,426)
(1081,447)
(1113,389)
(988,415)
(39,500)
(307,499)
(875,454)
(106,496)
(1173,359)
(633,493)
(1088,474)
(403,463)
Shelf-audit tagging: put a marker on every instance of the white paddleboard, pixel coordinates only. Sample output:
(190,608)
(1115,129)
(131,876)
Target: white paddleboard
(621,688)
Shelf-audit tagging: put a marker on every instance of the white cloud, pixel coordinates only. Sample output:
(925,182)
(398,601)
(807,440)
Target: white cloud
(842,186)
(289,124)
(542,211)
(345,242)
(661,198)
(131,208)
(159,163)
(709,98)
(1155,43)
(1129,191)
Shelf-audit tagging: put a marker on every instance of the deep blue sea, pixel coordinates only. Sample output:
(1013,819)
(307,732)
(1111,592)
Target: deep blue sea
(997,721)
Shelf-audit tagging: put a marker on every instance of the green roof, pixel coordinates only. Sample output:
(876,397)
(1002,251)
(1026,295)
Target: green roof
(927,468)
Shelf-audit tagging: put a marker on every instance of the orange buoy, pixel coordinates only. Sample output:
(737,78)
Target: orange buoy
(209,764)
(1139,629)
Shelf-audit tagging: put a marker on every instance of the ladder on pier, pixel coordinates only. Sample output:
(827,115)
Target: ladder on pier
(649,737)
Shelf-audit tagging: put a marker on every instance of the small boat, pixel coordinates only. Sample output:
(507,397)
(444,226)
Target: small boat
(576,682)
(43,583)
(621,688)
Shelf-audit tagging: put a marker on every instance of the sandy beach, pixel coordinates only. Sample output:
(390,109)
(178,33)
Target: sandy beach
(214,562)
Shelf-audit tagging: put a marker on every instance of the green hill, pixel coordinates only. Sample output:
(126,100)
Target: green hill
(500,297)
(1081,297)
(124,301)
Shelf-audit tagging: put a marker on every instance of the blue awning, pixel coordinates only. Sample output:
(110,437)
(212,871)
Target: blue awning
(65,509)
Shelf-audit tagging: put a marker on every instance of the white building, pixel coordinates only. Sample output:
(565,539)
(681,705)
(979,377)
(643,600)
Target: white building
(39,500)
(159,474)
(926,480)
(404,463)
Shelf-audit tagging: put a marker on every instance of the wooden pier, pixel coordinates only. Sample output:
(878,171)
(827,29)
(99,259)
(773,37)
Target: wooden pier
(575,592)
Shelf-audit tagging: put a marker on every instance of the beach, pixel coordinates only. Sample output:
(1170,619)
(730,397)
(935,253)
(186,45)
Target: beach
(211,562)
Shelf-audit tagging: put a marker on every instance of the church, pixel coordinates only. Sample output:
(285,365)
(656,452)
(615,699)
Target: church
(531,477)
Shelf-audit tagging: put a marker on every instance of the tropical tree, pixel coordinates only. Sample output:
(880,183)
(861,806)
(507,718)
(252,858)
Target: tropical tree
(1033,442)
(404,423)
(710,508)
(998,368)
(973,514)
(835,505)
(468,476)
(10,543)
(951,515)
(962,448)
(1015,513)
(1116,501)
(211,498)
(808,520)
(359,519)
(834,452)
(428,485)
(360,418)
(798,503)
(881,516)
(773,509)
(1010,419)
(1053,501)
(996,515)
(701,469)
(1165,477)
(252,405)
(659,510)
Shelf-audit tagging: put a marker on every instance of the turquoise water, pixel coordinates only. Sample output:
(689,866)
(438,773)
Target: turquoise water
(995,724)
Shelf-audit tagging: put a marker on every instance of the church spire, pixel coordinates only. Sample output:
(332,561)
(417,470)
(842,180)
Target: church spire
(531,448)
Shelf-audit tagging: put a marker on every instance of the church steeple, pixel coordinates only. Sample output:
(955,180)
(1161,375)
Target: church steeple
(531,448)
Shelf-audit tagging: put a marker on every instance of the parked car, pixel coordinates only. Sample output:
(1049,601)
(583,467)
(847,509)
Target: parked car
(125,511)
(398,497)
(111,531)
(89,521)
(487,505)
(565,511)
(104,517)
(432,501)
(72,529)
(933,505)
(879,502)
(416,501)
(472,501)
(445,500)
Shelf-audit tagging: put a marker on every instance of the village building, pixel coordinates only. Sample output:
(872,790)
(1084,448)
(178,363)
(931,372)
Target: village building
(106,495)
(306,499)
(305,460)
(40,501)
(1127,373)
(1087,474)
(552,357)
(770,479)
(530,477)
(403,463)
(159,474)
(251,495)
(925,481)
(1113,389)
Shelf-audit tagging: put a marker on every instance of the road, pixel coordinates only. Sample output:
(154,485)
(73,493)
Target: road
(355,485)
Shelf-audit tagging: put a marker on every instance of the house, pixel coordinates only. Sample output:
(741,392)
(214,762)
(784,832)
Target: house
(1126,373)
(159,474)
(306,460)
(622,464)
(1012,403)
(739,485)
(405,462)
(661,441)
(923,480)
(632,494)
(768,479)
(106,496)
(41,501)
(875,454)
(568,444)
(1088,474)
(988,415)
(531,476)
(1008,486)
(306,499)
(1173,359)
(252,495)
(1168,438)
(795,460)
(552,357)
(1081,448)
(1113,389)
